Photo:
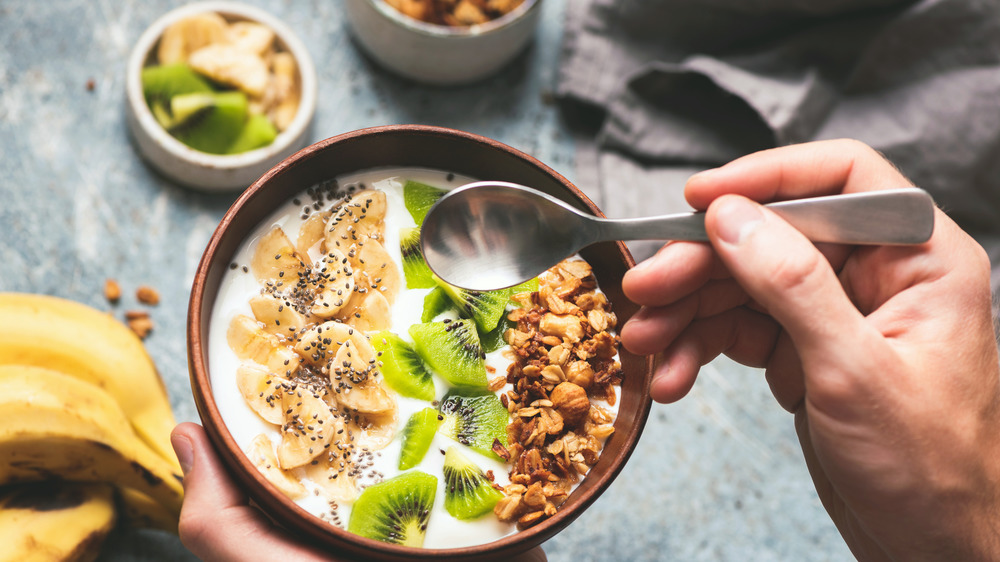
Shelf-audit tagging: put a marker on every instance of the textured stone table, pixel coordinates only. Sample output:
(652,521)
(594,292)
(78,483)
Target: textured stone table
(716,477)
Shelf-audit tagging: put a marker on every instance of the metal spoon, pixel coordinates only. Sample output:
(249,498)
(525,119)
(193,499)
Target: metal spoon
(492,235)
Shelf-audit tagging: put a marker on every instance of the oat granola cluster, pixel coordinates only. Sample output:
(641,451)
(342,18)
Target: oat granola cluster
(564,355)
(455,12)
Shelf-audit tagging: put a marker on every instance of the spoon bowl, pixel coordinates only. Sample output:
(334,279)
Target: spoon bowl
(491,235)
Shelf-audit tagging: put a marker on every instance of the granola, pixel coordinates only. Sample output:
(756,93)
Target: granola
(564,355)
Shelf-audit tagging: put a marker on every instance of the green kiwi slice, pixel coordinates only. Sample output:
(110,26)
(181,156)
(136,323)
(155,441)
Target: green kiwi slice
(419,198)
(436,303)
(467,492)
(209,122)
(395,510)
(451,349)
(160,83)
(474,418)
(418,275)
(257,133)
(416,437)
(485,307)
(493,340)
(402,368)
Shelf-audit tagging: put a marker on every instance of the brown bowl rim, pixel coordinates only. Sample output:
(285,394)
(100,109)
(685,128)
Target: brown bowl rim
(314,528)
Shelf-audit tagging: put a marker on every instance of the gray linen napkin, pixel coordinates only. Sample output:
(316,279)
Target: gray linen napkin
(675,86)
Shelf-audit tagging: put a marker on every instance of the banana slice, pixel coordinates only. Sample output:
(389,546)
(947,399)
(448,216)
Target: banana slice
(233,66)
(190,34)
(261,454)
(320,344)
(251,37)
(374,431)
(262,391)
(249,341)
(376,270)
(367,312)
(276,259)
(277,315)
(286,85)
(360,218)
(311,232)
(333,474)
(311,425)
(334,278)
(356,383)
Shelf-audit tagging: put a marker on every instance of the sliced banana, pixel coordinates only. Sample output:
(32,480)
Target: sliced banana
(251,37)
(376,270)
(333,474)
(356,384)
(367,312)
(311,232)
(310,426)
(374,431)
(277,315)
(249,341)
(261,454)
(287,89)
(262,391)
(320,344)
(360,218)
(333,278)
(185,36)
(275,258)
(233,66)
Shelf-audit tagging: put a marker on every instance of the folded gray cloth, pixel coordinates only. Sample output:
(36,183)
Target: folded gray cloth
(681,85)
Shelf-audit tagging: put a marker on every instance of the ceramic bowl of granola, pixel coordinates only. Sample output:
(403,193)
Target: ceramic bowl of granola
(373,409)
(217,93)
(443,42)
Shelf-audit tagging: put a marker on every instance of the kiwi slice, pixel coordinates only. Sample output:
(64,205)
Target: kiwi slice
(436,303)
(209,122)
(418,275)
(258,132)
(467,492)
(474,418)
(417,436)
(485,307)
(451,348)
(493,340)
(160,83)
(419,198)
(395,510)
(402,367)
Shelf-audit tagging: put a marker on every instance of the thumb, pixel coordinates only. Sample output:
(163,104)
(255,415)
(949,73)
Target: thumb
(785,273)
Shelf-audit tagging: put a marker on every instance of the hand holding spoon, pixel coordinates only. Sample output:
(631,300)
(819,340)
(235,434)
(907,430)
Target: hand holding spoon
(490,235)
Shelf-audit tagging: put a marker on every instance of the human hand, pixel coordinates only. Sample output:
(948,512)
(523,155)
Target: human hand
(885,355)
(217,522)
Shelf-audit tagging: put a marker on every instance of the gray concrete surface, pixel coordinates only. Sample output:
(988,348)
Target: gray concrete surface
(716,477)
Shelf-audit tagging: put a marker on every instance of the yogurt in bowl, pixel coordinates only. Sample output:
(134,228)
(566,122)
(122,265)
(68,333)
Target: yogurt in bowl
(500,436)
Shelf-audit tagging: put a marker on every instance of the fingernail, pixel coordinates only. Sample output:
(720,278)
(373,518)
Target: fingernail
(184,450)
(737,217)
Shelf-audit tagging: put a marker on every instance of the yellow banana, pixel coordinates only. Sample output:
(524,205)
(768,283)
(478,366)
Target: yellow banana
(143,512)
(56,426)
(54,521)
(81,341)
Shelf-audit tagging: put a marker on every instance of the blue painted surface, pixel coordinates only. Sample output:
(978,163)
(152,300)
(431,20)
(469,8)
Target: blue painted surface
(716,477)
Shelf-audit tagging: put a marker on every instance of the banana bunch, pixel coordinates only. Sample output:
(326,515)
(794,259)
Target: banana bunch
(84,431)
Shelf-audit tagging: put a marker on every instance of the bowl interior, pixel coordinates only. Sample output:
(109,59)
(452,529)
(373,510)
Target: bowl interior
(408,146)
(446,31)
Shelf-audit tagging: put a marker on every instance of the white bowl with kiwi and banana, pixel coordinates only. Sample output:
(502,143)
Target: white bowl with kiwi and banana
(377,411)
(217,93)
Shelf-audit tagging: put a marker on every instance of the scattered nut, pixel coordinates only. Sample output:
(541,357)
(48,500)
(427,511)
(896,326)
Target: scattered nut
(112,291)
(147,295)
(571,401)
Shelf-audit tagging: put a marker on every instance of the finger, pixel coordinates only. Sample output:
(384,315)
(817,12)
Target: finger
(792,172)
(652,329)
(675,271)
(217,522)
(784,374)
(742,334)
(789,277)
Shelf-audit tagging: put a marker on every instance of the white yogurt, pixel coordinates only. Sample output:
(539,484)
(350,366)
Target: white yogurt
(237,287)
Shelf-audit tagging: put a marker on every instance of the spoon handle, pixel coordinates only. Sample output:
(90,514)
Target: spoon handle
(896,216)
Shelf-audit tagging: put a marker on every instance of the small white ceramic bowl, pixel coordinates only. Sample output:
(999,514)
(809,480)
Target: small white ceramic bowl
(440,54)
(213,172)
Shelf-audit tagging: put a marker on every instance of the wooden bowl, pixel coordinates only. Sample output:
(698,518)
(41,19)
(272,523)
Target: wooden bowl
(407,146)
